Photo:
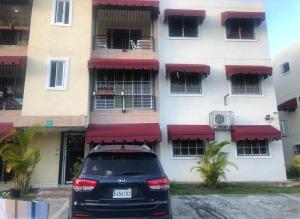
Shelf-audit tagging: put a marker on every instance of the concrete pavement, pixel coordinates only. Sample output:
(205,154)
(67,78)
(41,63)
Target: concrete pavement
(280,206)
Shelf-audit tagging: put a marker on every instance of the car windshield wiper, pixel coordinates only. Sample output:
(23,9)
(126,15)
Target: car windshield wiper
(132,173)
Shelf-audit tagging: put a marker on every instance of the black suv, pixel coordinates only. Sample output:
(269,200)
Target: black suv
(118,181)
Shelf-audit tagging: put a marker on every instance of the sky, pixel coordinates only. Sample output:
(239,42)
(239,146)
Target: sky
(283,19)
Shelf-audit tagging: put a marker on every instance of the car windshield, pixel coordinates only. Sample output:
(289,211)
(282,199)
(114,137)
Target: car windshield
(122,164)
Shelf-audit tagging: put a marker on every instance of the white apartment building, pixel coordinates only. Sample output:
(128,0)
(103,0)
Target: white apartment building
(286,75)
(169,73)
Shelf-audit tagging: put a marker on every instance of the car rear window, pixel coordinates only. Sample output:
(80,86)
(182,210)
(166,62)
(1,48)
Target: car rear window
(122,164)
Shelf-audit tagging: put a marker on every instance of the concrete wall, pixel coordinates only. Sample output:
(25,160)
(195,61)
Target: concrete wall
(46,171)
(287,87)
(46,41)
(211,48)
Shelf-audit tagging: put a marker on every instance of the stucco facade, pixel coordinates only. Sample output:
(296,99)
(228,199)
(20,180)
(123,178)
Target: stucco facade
(286,84)
(67,113)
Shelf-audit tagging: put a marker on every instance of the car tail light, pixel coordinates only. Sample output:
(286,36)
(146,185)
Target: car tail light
(159,213)
(84,185)
(80,215)
(158,184)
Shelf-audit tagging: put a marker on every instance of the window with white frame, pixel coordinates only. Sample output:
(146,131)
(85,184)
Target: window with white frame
(188,148)
(62,12)
(285,67)
(297,149)
(242,84)
(283,127)
(185,83)
(240,29)
(58,74)
(183,26)
(253,148)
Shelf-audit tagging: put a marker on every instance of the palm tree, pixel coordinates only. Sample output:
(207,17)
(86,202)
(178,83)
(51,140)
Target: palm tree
(21,157)
(213,164)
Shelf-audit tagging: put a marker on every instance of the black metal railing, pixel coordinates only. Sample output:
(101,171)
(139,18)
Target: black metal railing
(123,42)
(123,102)
(11,103)
(11,88)
(13,37)
(14,15)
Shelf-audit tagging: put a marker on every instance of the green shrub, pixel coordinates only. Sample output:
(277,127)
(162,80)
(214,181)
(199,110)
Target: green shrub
(293,172)
(213,164)
(20,157)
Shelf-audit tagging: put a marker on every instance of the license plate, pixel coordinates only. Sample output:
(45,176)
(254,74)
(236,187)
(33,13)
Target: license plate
(118,193)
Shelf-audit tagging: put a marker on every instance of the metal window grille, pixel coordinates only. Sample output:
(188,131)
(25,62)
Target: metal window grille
(188,148)
(186,83)
(297,149)
(253,148)
(11,87)
(240,29)
(283,127)
(136,87)
(246,84)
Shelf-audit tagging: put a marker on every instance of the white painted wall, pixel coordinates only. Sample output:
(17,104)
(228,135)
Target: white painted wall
(213,49)
(287,87)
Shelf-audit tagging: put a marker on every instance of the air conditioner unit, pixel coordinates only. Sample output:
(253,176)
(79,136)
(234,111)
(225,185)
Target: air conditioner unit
(221,120)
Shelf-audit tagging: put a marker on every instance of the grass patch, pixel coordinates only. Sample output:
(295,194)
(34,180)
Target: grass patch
(179,189)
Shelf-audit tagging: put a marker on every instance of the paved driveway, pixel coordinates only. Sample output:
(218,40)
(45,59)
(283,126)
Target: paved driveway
(215,206)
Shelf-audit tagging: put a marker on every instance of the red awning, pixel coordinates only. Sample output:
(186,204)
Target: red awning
(248,69)
(255,132)
(118,133)
(290,105)
(184,12)
(147,64)
(130,3)
(13,60)
(259,16)
(190,132)
(5,129)
(188,68)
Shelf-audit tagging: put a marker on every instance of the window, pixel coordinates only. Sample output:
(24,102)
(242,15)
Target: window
(185,83)
(62,12)
(285,67)
(240,29)
(122,164)
(297,149)
(134,87)
(188,148)
(58,74)
(253,148)
(181,26)
(246,84)
(283,127)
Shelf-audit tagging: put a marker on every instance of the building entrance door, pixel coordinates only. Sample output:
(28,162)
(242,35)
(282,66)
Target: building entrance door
(72,151)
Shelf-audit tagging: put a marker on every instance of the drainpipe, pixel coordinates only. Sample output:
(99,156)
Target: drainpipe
(225,99)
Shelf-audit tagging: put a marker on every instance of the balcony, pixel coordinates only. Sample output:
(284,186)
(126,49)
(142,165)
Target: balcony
(124,33)
(12,78)
(15,18)
(123,89)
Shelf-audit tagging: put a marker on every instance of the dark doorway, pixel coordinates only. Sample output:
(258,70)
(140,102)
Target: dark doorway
(72,152)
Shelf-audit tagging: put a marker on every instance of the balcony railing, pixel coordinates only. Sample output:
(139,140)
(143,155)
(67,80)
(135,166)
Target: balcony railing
(14,16)
(14,24)
(123,102)
(12,37)
(123,43)
(10,103)
(12,80)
